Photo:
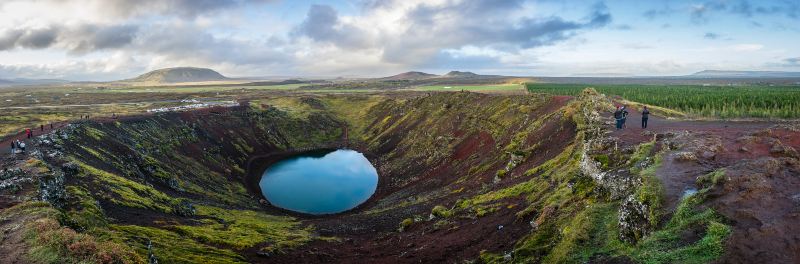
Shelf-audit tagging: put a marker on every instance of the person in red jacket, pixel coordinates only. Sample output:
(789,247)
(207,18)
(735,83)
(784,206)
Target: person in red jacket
(28,132)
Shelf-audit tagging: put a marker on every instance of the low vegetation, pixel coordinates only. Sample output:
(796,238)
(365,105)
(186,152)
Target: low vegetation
(698,100)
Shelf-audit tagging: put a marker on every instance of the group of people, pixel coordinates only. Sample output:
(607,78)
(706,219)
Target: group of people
(621,116)
(17,147)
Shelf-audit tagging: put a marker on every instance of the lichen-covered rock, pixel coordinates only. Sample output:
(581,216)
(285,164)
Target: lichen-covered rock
(686,156)
(617,184)
(633,220)
(52,190)
(70,169)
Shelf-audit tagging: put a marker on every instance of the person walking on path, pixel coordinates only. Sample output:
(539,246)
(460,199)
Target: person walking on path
(13,147)
(618,117)
(28,132)
(41,127)
(22,147)
(645,116)
(624,116)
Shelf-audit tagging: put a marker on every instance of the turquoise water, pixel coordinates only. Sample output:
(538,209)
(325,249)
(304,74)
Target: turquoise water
(320,183)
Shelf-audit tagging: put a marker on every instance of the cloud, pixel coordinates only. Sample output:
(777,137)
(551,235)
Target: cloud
(701,12)
(711,35)
(415,32)
(746,47)
(792,61)
(76,39)
(637,46)
(116,66)
(124,9)
(322,24)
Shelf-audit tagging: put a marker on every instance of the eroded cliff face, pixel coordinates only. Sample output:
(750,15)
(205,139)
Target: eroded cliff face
(462,177)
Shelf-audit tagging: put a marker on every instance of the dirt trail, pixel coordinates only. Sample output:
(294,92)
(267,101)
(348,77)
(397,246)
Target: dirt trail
(676,176)
(5,143)
(760,194)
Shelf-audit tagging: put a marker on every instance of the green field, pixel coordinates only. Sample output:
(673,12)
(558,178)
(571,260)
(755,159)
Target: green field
(499,87)
(697,100)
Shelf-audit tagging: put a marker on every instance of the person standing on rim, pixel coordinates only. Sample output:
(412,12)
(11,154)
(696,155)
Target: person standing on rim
(645,116)
(624,116)
(618,117)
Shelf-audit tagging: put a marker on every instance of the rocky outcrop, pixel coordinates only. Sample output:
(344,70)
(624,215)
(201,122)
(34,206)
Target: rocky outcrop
(52,189)
(619,183)
(634,222)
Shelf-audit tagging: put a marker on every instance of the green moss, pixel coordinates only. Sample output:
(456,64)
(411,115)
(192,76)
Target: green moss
(643,151)
(93,152)
(84,212)
(94,133)
(665,246)
(604,159)
(483,210)
(242,229)
(405,224)
(127,192)
(712,179)
(172,247)
(491,258)
(441,224)
(50,242)
(651,192)
(441,211)
(584,235)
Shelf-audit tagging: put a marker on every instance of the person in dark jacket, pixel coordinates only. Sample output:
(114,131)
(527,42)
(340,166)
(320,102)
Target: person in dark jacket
(618,117)
(624,116)
(645,116)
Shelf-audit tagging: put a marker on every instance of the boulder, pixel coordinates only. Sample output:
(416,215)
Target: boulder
(634,222)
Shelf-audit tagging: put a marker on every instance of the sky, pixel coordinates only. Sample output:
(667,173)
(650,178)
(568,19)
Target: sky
(115,39)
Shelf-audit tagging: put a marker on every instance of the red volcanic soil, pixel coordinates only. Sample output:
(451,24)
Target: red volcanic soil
(761,192)
(373,238)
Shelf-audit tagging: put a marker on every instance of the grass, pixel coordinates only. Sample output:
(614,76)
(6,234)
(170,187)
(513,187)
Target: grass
(127,192)
(240,229)
(53,243)
(47,241)
(455,88)
(172,247)
(756,101)
(593,232)
(216,237)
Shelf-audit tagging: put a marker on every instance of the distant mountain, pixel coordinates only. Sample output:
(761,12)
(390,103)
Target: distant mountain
(745,74)
(25,81)
(412,75)
(460,74)
(179,75)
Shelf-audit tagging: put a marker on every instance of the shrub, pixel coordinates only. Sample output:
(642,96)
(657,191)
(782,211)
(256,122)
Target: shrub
(441,211)
(405,224)
(53,243)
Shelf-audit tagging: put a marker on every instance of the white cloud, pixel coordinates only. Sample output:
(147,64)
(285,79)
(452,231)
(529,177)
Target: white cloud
(747,47)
